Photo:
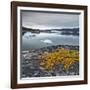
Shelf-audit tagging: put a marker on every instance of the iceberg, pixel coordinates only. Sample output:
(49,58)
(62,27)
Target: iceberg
(47,41)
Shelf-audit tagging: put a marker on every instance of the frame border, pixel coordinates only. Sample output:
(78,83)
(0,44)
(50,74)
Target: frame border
(14,5)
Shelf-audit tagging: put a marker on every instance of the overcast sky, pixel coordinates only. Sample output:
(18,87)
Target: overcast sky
(43,20)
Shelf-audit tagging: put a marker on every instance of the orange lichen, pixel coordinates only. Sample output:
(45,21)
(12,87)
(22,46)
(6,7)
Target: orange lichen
(59,56)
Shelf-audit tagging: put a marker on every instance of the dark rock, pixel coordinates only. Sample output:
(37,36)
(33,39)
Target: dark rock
(30,63)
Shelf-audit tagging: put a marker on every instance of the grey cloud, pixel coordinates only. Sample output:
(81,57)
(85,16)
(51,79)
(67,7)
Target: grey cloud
(43,19)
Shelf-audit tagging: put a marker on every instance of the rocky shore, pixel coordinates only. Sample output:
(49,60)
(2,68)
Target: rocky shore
(30,63)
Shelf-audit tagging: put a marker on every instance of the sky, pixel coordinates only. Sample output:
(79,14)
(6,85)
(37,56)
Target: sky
(45,20)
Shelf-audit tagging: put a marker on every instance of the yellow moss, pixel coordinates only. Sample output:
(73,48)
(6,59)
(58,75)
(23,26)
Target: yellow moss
(59,56)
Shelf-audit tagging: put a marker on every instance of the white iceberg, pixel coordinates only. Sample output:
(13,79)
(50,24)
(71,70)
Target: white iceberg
(47,41)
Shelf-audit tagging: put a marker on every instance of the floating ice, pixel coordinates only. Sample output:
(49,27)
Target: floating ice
(47,41)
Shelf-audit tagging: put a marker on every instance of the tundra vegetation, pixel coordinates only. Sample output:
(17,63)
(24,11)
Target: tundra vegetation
(59,56)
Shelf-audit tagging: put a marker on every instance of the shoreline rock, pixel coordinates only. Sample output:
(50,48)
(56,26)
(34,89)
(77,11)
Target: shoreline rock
(30,65)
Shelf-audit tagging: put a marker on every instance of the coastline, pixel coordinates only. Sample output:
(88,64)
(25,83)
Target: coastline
(30,63)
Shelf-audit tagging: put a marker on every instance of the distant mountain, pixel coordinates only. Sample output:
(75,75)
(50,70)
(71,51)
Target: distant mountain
(35,30)
(64,31)
(74,31)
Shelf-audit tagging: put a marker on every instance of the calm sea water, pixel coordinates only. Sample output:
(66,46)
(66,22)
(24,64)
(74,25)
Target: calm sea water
(34,40)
